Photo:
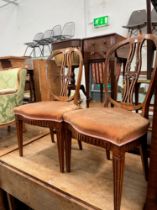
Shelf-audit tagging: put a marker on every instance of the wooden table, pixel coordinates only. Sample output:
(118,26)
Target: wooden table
(22,62)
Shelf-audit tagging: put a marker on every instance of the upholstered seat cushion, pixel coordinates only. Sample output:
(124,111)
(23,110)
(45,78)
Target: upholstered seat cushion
(45,110)
(116,125)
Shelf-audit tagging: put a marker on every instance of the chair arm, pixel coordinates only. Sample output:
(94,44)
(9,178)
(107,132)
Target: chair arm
(7,91)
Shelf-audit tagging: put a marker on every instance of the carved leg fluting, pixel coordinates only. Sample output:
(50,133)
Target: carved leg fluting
(68,150)
(118,172)
(144,156)
(60,143)
(19,131)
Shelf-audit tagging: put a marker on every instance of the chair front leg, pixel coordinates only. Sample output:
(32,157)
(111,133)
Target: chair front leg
(19,131)
(144,155)
(118,173)
(68,149)
(60,144)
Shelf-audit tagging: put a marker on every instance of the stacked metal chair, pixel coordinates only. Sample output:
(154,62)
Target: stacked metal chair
(57,32)
(68,31)
(137,22)
(34,45)
(46,41)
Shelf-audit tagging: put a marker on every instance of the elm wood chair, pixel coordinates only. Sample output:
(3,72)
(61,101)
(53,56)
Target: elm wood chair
(49,113)
(116,127)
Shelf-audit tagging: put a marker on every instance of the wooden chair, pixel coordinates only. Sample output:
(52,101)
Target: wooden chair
(49,113)
(116,127)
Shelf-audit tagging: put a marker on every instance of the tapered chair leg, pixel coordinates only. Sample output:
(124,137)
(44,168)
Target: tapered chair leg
(25,50)
(60,144)
(68,149)
(52,135)
(144,156)
(19,130)
(118,173)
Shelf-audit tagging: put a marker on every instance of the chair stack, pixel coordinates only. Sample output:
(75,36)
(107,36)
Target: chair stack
(46,39)
(137,22)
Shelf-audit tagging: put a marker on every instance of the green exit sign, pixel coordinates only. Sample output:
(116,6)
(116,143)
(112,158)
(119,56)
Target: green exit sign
(100,21)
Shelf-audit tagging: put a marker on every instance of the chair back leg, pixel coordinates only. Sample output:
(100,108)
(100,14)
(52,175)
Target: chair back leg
(118,173)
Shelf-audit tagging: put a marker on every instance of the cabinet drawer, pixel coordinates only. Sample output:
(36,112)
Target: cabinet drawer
(97,48)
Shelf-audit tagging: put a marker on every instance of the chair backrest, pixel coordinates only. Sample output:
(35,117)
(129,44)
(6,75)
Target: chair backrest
(137,17)
(66,57)
(38,36)
(68,30)
(57,32)
(10,99)
(8,79)
(124,80)
(48,34)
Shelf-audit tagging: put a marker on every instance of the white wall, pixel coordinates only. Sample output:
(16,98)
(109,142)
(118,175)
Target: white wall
(117,10)
(20,23)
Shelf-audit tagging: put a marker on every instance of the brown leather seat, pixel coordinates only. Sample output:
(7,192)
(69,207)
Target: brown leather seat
(45,110)
(117,125)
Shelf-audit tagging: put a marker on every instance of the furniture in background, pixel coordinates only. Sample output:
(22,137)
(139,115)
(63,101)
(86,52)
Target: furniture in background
(68,31)
(41,40)
(21,62)
(136,22)
(33,45)
(94,51)
(57,31)
(46,42)
(154,20)
(50,113)
(116,126)
(12,83)
(45,79)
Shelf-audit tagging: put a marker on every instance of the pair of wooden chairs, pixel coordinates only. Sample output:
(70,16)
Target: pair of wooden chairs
(116,126)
